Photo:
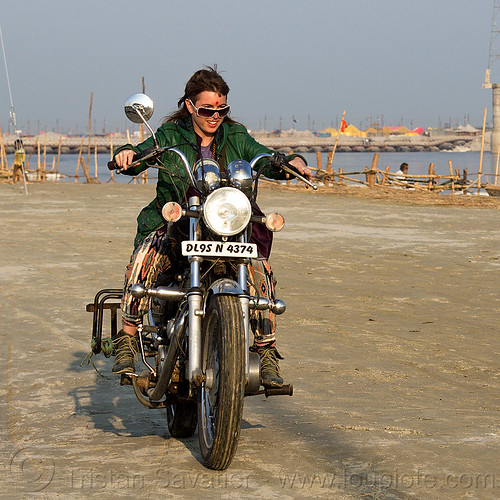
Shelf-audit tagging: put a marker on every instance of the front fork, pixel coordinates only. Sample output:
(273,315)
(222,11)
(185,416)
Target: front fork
(195,302)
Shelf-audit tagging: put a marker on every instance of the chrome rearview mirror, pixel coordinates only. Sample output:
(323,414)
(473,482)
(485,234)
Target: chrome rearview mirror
(139,108)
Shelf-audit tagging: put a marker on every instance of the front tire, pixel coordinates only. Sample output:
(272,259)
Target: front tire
(220,404)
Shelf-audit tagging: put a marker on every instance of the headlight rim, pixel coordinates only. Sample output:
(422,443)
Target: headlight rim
(246,213)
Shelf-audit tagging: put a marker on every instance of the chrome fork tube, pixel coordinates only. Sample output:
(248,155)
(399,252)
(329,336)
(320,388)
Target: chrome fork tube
(244,301)
(195,302)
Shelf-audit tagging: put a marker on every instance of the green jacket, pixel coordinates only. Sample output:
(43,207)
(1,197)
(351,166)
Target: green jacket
(232,141)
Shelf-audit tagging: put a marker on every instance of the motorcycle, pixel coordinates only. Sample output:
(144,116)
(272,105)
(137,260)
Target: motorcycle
(195,340)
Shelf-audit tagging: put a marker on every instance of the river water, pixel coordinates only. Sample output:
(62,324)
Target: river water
(349,162)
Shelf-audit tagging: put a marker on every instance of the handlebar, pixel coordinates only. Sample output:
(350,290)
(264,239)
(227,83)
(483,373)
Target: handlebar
(276,159)
(151,153)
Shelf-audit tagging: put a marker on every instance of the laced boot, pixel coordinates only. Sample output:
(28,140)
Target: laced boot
(125,350)
(270,368)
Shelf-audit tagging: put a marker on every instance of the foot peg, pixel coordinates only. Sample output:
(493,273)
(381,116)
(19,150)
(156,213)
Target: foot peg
(286,390)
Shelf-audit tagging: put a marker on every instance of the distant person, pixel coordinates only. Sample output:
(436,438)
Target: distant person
(402,172)
(401,175)
(19,159)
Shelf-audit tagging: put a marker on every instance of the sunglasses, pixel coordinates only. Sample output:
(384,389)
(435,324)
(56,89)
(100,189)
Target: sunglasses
(209,112)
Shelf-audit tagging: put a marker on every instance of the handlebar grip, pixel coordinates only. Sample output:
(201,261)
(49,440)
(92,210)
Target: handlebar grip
(113,166)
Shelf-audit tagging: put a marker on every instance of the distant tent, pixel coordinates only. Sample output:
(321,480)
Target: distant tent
(328,132)
(415,132)
(467,130)
(370,131)
(395,130)
(352,131)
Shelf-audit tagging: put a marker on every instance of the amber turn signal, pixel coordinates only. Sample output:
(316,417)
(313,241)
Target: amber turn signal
(171,211)
(275,222)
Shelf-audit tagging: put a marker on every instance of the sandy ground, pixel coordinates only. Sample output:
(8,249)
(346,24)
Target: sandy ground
(390,339)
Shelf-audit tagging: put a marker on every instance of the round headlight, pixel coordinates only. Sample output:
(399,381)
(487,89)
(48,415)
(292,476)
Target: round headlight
(227,211)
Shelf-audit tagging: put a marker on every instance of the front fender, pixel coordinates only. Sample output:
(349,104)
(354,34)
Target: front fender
(225,286)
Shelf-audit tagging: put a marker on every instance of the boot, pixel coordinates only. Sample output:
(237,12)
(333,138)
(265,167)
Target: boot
(270,368)
(125,350)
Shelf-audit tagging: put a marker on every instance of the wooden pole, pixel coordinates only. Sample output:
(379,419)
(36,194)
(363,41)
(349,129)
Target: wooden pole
(85,170)
(452,177)
(318,160)
(38,160)
(95,159)
(496,168)
(44,152)
(112,177)
(330,158)
(38,172)
(58,155)
(44,164)
(78,161)
(481,157)
(29,157)
(90,127)
(373,170)
(3,155)
(384,178)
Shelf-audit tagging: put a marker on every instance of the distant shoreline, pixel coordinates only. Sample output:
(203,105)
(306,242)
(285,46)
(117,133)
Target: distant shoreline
(301,142)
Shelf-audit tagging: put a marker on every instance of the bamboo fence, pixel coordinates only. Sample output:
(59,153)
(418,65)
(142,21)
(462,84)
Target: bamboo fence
(373,177)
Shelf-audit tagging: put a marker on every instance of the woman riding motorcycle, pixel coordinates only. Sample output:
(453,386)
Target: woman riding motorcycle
(200,128)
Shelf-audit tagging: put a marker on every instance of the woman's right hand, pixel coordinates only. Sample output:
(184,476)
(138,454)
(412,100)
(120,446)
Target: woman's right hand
(124,158)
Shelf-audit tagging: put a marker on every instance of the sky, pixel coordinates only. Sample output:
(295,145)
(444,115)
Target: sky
(289,63)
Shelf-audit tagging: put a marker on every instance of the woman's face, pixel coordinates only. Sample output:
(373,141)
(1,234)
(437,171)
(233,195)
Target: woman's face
(206,127)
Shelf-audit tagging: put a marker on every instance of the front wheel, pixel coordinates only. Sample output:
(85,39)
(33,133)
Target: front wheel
(220,404)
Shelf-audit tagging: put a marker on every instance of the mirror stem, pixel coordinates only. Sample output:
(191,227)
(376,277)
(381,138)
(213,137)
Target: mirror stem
(138,111)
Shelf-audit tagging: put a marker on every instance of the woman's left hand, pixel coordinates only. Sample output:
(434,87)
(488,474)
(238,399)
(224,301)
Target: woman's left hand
(302,168)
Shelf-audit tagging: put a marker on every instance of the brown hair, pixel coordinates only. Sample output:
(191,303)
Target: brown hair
(207,79)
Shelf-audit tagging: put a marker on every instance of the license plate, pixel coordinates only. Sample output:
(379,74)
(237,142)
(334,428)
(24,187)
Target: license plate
(218,249)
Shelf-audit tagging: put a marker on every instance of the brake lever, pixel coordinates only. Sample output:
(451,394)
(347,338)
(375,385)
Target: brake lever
(286,168)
